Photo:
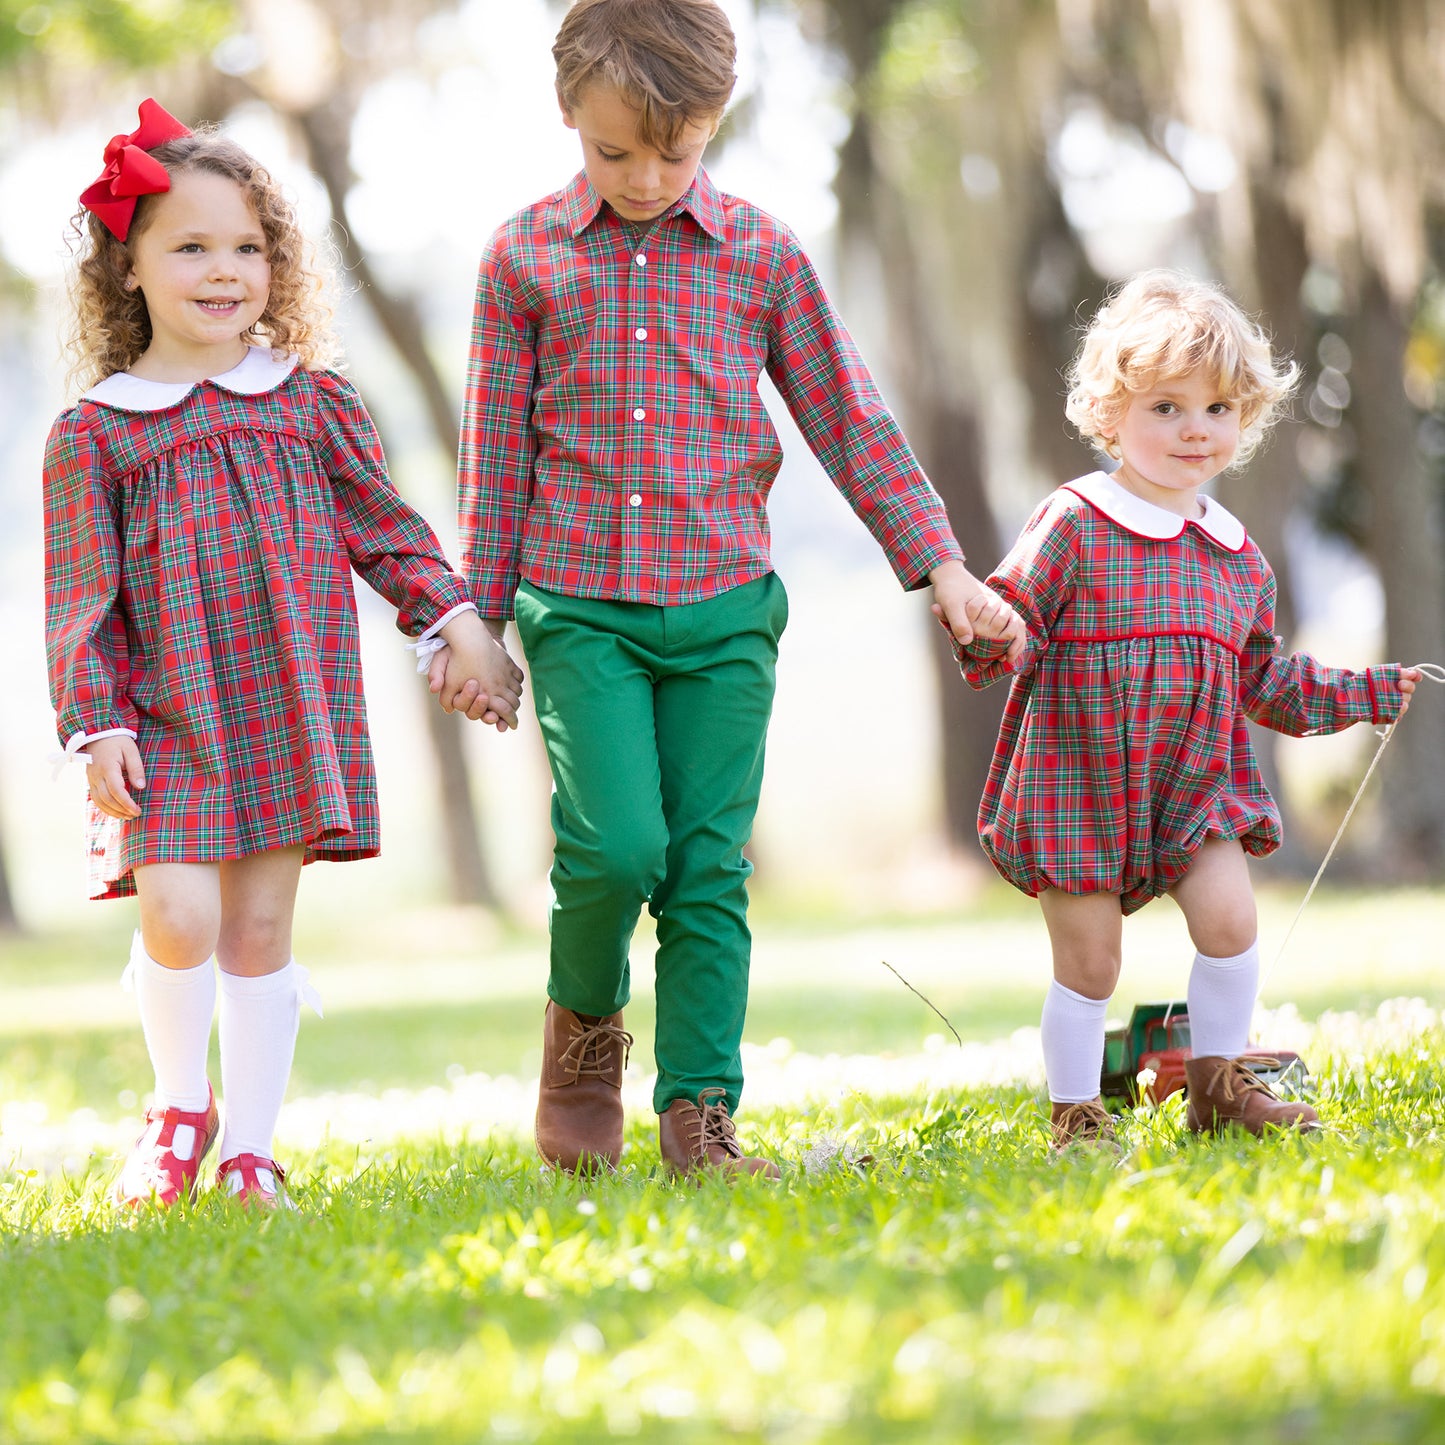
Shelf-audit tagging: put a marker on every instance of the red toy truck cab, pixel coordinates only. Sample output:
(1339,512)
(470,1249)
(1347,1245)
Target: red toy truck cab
(1157,1038)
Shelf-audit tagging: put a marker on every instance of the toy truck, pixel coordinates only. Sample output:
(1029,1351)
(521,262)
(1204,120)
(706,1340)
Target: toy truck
(1157,1038)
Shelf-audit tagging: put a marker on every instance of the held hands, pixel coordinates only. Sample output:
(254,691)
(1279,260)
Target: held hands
(475,675)
(967,609)
(114,761)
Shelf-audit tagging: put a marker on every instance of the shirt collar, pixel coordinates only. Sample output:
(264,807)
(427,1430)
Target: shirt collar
(260,370)
(1144,519)
(581,205)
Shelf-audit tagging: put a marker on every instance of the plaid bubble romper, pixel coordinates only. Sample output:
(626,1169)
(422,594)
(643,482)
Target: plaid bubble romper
(1123,745)
(199,541)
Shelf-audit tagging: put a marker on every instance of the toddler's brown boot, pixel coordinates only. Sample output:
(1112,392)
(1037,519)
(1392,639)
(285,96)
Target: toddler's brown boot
(1225,1092)
(1087,1124)
(700,1136)
(579,1097)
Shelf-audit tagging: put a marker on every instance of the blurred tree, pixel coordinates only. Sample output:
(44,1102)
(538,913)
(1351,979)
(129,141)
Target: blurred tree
(944,179)
(50,54)
(1330,115)
(1336,116)
(315,60)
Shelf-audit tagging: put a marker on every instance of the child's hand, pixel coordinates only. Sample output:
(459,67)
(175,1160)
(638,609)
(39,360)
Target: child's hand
(114,761)
(475,675)
(1409,676)
(967,609)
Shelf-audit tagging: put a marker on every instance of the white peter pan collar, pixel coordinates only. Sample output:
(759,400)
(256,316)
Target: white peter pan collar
(260,370)
(1144,519)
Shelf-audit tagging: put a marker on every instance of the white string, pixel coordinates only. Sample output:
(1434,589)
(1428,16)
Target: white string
(1436,673)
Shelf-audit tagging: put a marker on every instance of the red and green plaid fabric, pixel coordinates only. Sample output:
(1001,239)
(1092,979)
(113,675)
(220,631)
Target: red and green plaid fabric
(198,590)
(1123,744)
(614,444)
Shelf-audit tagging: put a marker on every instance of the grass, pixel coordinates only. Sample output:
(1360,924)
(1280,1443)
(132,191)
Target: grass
(961,1287)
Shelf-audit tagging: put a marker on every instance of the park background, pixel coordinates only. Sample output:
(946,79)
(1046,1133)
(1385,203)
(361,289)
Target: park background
(971,176)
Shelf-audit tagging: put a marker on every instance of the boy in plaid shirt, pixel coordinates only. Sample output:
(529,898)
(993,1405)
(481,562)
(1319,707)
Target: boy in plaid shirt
(616,461)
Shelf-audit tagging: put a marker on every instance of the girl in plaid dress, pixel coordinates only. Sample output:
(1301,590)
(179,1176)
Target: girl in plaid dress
(1123,768)
(205,501)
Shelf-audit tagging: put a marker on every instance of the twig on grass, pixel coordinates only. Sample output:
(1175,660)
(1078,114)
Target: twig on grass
(924,997)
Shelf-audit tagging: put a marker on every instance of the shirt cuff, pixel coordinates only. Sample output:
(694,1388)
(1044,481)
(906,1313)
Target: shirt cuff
(431,642)
(72,751)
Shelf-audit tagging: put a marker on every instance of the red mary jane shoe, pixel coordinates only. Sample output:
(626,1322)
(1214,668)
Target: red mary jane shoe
(158,1172)
(253,1179)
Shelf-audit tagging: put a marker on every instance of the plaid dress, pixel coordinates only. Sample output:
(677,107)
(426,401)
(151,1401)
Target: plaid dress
(199,545)
(1123,745)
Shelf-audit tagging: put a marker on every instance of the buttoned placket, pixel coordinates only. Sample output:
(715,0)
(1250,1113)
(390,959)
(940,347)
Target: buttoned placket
(636,560)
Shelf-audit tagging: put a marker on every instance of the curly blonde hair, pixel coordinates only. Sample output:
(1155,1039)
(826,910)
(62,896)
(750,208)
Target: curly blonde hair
(111,327)
(1163,324)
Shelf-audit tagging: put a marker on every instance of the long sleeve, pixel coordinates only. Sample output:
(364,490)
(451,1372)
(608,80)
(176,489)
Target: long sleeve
(1035,579)
(388,542)
(498,447)
(85,635)
(831,395)
(1297,695)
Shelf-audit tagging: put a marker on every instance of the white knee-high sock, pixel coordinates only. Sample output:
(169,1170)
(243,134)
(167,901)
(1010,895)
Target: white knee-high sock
(176,1006)
(259,1022)
(1221,1002)
(1072,1034)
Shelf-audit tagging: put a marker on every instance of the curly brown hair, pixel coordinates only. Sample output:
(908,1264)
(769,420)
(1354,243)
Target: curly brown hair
(111,327)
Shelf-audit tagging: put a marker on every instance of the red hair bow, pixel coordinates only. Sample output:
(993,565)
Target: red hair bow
(129,172)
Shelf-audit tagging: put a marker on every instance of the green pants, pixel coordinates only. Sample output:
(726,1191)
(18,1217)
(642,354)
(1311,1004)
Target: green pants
(654,720)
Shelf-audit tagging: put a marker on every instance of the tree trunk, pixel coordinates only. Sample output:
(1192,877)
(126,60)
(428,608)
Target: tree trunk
(326,134)
(1404,537)
(1266,491)
(953,454)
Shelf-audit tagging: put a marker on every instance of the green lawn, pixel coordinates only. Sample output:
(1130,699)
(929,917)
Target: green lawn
(960,1287)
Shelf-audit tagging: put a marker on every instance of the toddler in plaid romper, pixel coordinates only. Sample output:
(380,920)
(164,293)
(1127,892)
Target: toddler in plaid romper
(1123,768)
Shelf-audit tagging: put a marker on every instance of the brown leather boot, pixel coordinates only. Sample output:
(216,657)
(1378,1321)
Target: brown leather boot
(579,1097)
(1087,1124)
(1224,1092)
(700,1136)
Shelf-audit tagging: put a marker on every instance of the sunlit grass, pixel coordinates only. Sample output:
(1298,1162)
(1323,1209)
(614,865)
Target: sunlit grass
(961,1286)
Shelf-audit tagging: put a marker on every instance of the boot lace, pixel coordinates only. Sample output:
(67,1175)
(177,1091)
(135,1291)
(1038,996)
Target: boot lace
(589,1050)
(1234,1079)
(1085,1123)
(714,1125)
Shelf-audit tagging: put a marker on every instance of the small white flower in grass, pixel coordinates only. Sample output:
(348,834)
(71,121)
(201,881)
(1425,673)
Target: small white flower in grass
(826,1152)
(586,1206)
(737,1251)
(641,1279)
(1145,1079)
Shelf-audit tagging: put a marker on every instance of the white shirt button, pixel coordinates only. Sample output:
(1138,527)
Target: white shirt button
(641,260)
(641,333)
(638,414)
(635,500)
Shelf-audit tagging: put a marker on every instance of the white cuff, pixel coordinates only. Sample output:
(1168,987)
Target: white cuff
(76,741)
(429,643)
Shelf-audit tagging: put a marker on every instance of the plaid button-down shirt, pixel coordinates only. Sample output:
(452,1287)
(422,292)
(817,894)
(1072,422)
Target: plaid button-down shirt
(614,443)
